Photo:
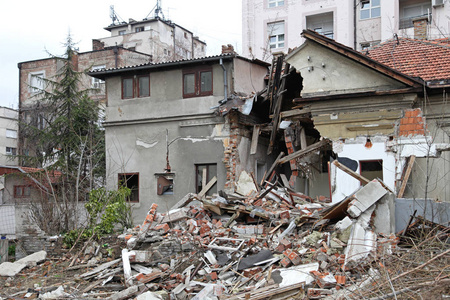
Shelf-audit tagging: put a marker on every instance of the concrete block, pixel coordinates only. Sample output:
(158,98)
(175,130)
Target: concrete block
(360,244)
(33,259)
(11,269)
(366,197)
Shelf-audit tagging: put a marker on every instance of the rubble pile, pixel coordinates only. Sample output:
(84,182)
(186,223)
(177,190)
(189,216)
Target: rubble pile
(270,243)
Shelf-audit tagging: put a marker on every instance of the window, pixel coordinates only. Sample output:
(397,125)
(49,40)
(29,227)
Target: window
(139,29)
(144,86)
(136,86)
(164,183)
(275,3)
(370,9)
(131,181)
(408,13)
(10,133)
(98,83)
(275,32)
(11,151)
(322,24)
(203,174)
(127,88)
(371,169)
(197,82)
(22,191)
(36,81)
(122,32)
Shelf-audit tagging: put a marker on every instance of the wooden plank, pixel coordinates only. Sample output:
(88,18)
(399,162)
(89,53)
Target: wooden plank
(285,181)
(355,175)
(412,158)
(255,136)
(183,202)
(204,178)
(303,152)
(207,187)
(294,113)
(274,165)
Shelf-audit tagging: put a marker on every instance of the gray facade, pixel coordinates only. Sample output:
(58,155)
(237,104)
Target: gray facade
(139,130)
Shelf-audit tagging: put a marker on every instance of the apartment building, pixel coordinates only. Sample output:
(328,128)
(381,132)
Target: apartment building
(270,26)
(161,38)
(8,136)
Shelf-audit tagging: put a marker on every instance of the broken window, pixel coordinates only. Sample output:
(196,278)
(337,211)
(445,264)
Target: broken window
(36,81)
(11,151)
(131,181)
(370,9)
(22,191)
(371,169)
(164,183)
(275,3)
(144,86)
(275,32)
(204,173)
(197,82)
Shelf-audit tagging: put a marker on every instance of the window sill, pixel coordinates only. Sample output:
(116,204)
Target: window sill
(370,18)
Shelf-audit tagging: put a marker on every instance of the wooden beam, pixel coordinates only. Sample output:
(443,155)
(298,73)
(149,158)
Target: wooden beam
(274,165)
(295,113)
(303,152)
(207,188)
(255,136)
(355,175)
(412,158)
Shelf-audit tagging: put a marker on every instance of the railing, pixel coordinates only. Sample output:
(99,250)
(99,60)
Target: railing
(408,22)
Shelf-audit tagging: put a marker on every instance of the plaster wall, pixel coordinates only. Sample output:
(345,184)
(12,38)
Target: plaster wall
(343,184)
(248,77)
(142,149)
(326,72)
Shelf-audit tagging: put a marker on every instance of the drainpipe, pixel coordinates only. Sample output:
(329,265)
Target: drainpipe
(225,84)
(354,26)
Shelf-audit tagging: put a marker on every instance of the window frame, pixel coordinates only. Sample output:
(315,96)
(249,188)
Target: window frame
(132,87)
(139,29)
(122,32)
(136,191)
(138,84)
(13,151)
(34,76)
(278,44)
(25,191)
(369,9)
(213,189)
(197,81)
(276,3)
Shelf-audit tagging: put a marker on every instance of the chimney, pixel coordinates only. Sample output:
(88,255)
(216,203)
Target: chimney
(97,45)
(228,49)
(420,28)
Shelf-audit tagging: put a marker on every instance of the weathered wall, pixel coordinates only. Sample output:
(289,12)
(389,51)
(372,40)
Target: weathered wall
(326,72)
(8,120)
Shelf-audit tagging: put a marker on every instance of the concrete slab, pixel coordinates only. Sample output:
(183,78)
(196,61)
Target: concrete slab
(33,259)
(365,198)
(11,269)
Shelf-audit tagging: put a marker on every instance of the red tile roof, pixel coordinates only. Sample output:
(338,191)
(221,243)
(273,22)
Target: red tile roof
(429,60)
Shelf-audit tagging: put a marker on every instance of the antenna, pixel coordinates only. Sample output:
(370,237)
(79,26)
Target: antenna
(158,10)
(112,14)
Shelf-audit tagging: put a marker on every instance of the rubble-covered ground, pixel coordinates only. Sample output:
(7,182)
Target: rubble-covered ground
(273,243)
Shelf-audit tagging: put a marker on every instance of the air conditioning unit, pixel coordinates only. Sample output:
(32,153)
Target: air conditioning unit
(436,3)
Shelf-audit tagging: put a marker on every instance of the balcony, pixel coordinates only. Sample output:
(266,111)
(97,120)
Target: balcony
(410,10)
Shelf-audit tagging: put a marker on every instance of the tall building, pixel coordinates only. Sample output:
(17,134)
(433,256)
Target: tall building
(156,36)
(270,26)
(8,136)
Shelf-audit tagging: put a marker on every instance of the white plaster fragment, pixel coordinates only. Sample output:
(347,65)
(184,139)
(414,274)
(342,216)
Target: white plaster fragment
(365,198)
(144,144)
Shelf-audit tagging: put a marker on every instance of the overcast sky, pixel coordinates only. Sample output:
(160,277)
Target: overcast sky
(31,28)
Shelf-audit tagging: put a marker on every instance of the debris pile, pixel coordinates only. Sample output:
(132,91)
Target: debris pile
(256,244)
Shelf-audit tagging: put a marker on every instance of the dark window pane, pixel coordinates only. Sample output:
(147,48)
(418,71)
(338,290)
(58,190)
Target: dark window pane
(189,84)
(144,86)
(206,81)
(127,87)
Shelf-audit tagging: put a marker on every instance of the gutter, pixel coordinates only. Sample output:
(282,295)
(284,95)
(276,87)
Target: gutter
(225,82)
